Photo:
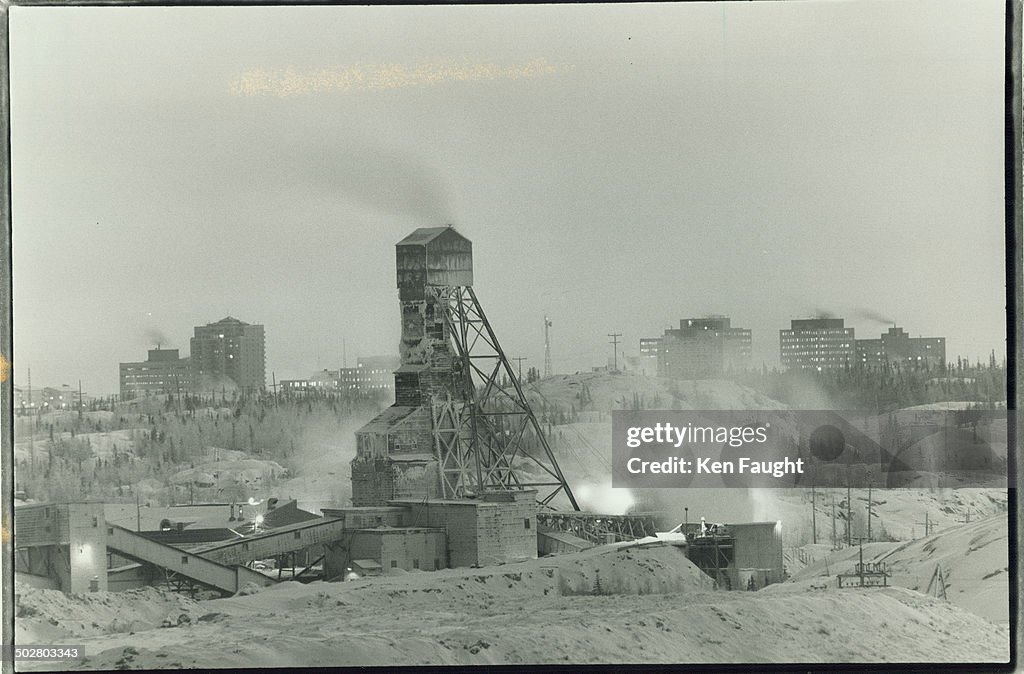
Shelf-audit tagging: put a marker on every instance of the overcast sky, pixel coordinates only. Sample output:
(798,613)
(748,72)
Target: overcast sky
(616,167)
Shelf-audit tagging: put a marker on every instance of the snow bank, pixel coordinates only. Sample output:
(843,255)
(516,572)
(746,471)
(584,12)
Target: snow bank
(544,611)
(50,616)
(973,559)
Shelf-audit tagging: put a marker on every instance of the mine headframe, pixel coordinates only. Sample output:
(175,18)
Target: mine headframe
(482,431)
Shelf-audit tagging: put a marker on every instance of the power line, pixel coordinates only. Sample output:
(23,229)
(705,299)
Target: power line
(615,342)
(519,361)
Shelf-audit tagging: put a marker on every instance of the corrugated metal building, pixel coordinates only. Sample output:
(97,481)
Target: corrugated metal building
(62,545)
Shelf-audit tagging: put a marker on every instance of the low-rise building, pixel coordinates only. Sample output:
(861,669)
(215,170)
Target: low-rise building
(371,373)
(700,348)
(897,347)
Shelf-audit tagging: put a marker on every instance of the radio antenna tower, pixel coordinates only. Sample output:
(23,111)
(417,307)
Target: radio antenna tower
(547,348)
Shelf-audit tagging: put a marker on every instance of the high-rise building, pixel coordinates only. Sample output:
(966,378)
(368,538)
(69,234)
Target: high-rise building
(699,348)
(230,348)
(163,372)
(896,346)
(817,344)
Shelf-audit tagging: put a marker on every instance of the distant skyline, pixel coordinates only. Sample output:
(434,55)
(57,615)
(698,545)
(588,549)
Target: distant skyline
(617,167)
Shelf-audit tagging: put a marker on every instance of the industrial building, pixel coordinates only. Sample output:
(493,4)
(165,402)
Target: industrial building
(442,478)
(435,533)
(738,556)
(75,547)
(444,452)
(162,373)
(817,344)
(700,348)
(896,347)
(230,348)
(61,546)
(395,456)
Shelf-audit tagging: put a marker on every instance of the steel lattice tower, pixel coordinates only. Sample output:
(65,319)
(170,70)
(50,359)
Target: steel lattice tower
(461,424)
(480,436)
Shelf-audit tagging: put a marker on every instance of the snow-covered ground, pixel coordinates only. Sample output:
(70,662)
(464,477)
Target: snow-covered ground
(606,605)
(897,513)
(103,444)
(973,560)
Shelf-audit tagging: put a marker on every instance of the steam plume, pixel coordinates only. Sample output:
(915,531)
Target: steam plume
(872,315)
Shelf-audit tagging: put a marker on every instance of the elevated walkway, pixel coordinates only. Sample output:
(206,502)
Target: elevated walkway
(282,540)
(557,542)
(597,528)
(178,562)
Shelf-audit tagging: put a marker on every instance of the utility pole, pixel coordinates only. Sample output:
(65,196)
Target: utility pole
(519,361)
(835,541)
(79,398)
(273,378)
(927,525)
(849,515)
(32,423)
(814,520)
(547,348)
(615,346)
(869,512)
(860,565)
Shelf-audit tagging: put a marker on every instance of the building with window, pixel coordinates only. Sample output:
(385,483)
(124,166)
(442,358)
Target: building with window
(323,380)
(817,344)
(294,385)
(231,348)
(371,373)
(647,361)
(896,346)
(162,373)
(699,348)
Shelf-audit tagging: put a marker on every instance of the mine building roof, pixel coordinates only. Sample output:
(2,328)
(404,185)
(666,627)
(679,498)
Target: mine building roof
(425,235)
(387,419)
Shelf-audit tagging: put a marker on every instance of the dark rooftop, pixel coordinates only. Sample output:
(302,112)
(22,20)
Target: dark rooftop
(229,320)
(425,235)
